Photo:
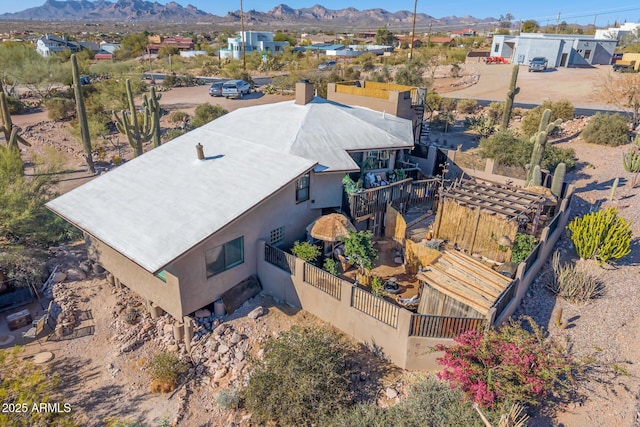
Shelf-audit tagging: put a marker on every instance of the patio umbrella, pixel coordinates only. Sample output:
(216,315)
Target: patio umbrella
(331,228)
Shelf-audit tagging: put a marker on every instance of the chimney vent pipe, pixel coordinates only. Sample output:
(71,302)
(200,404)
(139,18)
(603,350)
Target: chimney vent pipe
(200,151)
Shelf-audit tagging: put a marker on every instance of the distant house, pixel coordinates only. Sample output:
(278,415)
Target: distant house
(190,229)
(50,44)
(407,40)
(158,42)
(444,41)
(466,32)
(618,33)
(561,50)
(254,41)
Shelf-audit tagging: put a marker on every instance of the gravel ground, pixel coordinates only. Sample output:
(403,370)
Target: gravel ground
(604,332)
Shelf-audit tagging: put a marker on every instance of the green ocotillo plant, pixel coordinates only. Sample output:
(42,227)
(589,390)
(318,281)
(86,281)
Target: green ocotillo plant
(82,114)
(11,132)
(540,141)
(558,179)
(129,124)
(511,94)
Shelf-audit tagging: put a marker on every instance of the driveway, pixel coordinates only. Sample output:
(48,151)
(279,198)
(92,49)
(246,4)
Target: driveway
(577,85)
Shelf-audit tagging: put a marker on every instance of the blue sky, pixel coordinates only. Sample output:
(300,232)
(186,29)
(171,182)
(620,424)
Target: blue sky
(571,11)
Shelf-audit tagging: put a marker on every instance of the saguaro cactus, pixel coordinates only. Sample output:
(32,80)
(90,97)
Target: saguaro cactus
(511,94)
(11,132)
(151,103)
(540,141)
(128,124)
(82,114)
(558,179)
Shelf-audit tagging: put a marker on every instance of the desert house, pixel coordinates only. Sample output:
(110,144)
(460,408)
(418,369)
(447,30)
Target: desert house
(254,41)
(561,50)
(181,231)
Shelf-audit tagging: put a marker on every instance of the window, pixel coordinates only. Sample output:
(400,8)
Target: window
(496,48)
(302,188)
(587,54)
(276,236)
(162,275)
(377,160)
(224,257)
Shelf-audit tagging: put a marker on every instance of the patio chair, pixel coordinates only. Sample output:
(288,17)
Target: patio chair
(36,329)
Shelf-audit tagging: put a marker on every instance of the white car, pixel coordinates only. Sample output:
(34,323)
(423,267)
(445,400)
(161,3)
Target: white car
(236,88)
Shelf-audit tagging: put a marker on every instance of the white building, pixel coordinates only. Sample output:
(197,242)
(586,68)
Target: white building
(260,41)
(49,44)
(618,33)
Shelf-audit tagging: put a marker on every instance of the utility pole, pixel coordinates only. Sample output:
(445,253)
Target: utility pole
(429,35)
(244,59)
(558,23)
(413,30)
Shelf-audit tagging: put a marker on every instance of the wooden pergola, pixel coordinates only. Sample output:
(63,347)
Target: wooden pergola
(474,214)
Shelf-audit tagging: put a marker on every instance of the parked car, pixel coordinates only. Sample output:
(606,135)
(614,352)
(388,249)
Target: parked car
(236,88)
(538,64)
(327,65)
(616,57)
(216,89)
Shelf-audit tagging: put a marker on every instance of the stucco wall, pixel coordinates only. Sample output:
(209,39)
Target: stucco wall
(398,104)
(413,353)
(326,190)
(166,295)
(197,290)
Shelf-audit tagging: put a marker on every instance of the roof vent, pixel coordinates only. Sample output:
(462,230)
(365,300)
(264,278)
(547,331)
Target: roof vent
(200,151)
(304,92)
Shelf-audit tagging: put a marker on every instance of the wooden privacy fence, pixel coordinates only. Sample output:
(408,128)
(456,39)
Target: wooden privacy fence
(322,280)
(375,307)
(280,259)
(423,325)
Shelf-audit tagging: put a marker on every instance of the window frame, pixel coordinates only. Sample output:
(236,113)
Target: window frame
(226,251)
(306,178)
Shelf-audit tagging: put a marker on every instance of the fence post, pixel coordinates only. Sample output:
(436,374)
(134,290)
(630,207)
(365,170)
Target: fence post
(491,317)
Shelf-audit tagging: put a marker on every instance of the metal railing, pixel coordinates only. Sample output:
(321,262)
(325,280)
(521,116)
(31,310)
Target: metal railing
(280,259)
(374,306)
(505,297)
(423,325)
(322,280)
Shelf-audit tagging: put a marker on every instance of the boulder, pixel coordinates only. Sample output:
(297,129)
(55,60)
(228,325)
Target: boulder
(235,338)
(222,349)
(59,277)
(391,393)
(75,274)
(256,312)
(220,373)
(202,313)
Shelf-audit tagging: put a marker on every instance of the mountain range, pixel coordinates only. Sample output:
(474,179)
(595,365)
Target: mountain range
(282,15)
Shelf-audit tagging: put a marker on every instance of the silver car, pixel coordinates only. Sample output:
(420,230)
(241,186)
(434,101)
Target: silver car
(236,88)
(216,89)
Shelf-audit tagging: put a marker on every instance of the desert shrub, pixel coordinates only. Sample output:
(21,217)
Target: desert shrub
(432,403)
(228,398)
(358,247)
(16,106)
(601,235)
(494,111)
(606,129)
(178,117)
(443,120)
(480,124)
(562,110)
(508,149)
(434,101)
(164,370)
(60,108)
(331,267)
(508,364)
(467,106)
(206,112)
(306,251)
(523,245)
(572,283)
(448,104)
(303,376)
(24,383)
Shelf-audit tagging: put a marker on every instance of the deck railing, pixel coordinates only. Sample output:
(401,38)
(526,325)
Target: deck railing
(423,325)
(423,192)
(375,307)
(280,259)
(322,280)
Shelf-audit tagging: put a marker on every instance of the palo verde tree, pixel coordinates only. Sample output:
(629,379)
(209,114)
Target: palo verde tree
(82,115)
(622,90)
